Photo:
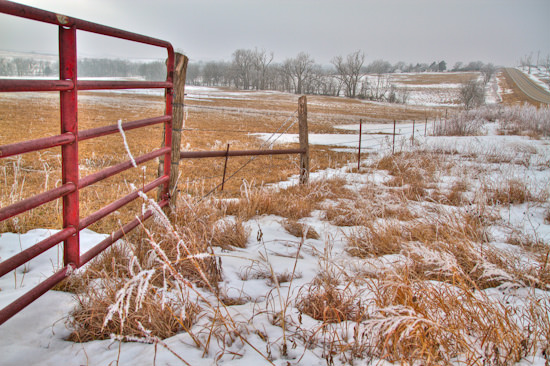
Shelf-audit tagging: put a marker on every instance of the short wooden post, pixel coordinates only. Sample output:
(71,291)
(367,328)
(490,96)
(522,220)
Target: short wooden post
(393,145)
(304,140)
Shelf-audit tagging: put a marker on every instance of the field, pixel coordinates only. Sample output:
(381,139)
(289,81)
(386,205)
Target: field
(435,251)
(215,118)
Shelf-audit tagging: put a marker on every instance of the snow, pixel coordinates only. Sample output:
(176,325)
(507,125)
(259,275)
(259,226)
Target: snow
(539,75)
(37,334)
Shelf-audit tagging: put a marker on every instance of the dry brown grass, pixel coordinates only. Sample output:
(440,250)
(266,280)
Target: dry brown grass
(376,240)
(230,234)
(324,301)
(418,321)
(163,318)
(455,196)
(299,230)
(294,202)
(510,192)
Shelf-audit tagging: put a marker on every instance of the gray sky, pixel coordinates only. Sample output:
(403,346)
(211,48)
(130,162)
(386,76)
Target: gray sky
(498,31)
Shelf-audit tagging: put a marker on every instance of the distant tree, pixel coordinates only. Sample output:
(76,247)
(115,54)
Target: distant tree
(457,66)
(193,74)
(242,63)
(442,66)
(24,66)
(487,71)
(527,61)
(472,94)
(473,66)
(400,66)
(261,61)
(153,70)
(349,71)
(299,69)
(378,67)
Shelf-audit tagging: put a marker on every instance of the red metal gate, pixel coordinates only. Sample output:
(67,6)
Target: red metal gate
(68,86)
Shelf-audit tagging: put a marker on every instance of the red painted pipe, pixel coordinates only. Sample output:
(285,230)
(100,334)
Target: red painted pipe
(107,242)
(11,85)
(98,215)
(114,84)
(115,169)
(32,295)
(21,258)
(35,145)
(108,130)
(35,201)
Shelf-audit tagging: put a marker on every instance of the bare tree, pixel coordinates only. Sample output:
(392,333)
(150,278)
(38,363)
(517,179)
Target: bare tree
(242,68)
(526,61)
(472,94)
(487,72)
(299,69)
(349,71)
(261,61)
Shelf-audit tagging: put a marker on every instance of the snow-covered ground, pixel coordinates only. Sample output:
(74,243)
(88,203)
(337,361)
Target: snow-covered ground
(36,336)
(539,75)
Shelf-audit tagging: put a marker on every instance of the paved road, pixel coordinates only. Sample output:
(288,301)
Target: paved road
(528,86)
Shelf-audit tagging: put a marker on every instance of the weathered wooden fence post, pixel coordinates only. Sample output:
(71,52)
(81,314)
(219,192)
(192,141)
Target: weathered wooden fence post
(304,140)
(180,71)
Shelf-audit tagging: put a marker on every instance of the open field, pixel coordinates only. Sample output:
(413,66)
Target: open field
(215,118)
(434,254)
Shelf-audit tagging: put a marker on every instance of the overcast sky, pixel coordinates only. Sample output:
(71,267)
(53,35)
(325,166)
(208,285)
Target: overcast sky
(498,31)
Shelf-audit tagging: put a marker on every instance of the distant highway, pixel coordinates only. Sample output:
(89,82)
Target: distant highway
(528,86)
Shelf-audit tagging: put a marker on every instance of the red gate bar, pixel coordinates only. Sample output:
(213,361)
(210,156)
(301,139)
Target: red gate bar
(116,84)
(11,85)
(107,130)
(21,258)
(98,215)
(37,144)
(32,295)
(107,242)
(115,169)
(35,201)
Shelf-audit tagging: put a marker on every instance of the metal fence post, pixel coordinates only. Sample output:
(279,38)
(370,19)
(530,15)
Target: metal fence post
(393,144)
(69,152)
(413,132)
(304,140)
(359,152)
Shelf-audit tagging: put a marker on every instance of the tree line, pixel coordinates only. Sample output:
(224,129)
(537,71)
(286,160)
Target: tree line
(87,67)
(255,69)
